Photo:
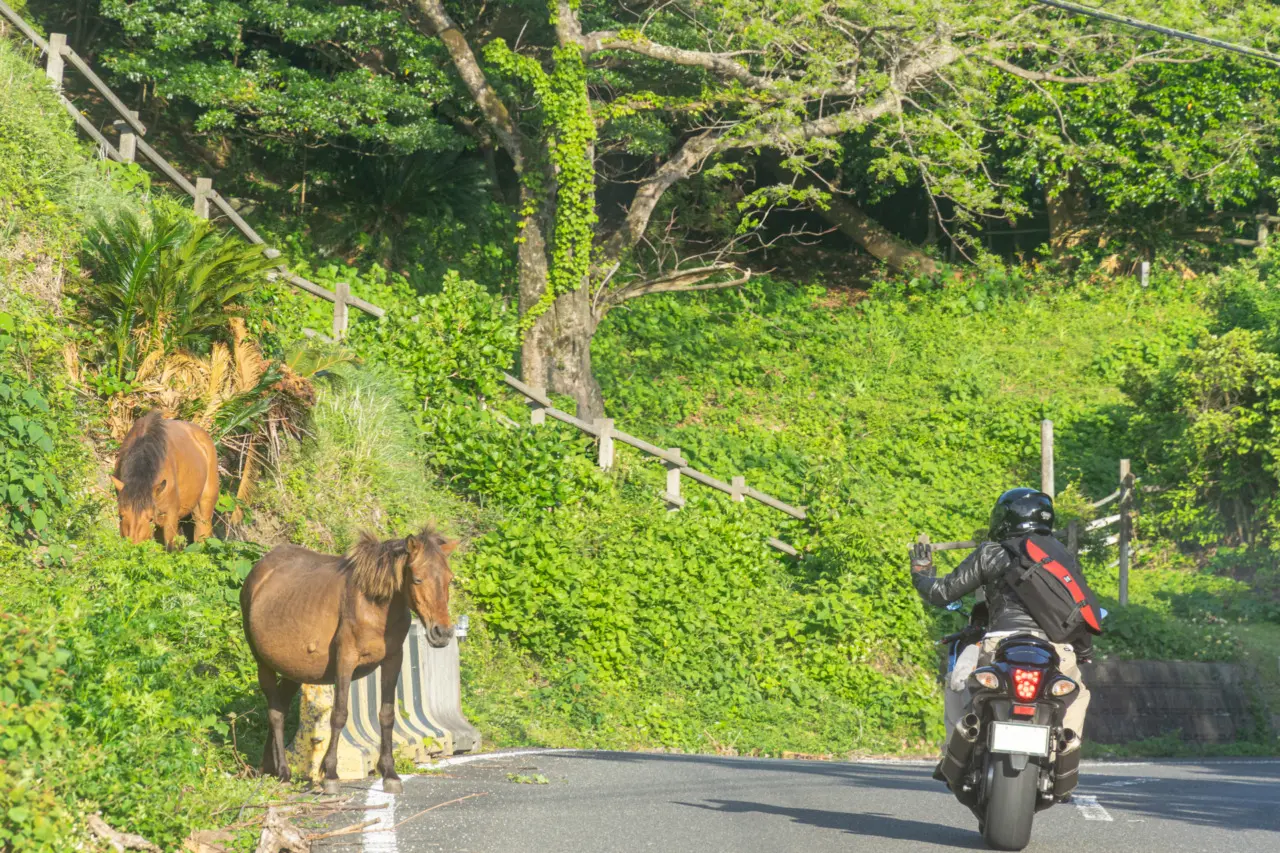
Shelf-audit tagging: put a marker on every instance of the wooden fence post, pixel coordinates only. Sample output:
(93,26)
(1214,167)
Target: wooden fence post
(538,412)
(605,425)
(342,294)
(203,187)
(1146,273)
(739,489)
(1264,229)
(673,498)
(54,63)
(1046,457)
(128,144)
(1073,538)
(1126,528)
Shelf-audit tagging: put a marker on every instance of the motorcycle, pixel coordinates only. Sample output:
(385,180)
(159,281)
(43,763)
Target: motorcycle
(1010,756)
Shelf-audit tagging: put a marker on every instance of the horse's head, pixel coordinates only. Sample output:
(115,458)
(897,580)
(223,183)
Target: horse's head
(427,577)
(141,510)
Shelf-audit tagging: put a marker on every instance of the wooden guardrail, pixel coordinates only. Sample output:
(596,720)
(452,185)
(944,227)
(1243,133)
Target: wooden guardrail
(130,143)
(607,434)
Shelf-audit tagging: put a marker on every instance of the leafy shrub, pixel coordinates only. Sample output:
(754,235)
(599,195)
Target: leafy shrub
(150,659)
(448,342)
(35,740)
(1208,420)
(33,494)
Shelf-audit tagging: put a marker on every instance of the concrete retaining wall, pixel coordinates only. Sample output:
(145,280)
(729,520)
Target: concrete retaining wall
(1134,700)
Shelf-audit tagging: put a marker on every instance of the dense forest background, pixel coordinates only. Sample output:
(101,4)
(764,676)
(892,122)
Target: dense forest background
(852,251)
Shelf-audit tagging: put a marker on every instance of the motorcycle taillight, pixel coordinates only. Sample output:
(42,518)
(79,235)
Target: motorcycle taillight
(1026,683)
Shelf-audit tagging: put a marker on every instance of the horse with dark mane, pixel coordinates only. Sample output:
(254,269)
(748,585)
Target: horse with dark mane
(166,471)
(319,619)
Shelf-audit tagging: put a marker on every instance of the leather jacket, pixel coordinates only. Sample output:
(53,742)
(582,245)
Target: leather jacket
(986,567)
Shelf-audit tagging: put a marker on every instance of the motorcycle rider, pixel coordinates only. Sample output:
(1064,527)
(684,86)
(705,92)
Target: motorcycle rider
(1017,513)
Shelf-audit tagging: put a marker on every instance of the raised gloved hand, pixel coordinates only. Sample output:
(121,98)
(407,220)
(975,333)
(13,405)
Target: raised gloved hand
(922,559)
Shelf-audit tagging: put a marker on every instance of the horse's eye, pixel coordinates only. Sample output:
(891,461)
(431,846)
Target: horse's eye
(416,580)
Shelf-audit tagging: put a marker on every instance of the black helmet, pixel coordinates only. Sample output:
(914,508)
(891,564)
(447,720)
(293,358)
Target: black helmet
(1020,512)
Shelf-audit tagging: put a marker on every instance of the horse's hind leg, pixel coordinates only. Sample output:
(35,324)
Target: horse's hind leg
(203,512)
(386,720)
(279,695)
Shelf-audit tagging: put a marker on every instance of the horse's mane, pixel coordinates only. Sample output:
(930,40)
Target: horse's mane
(141,455)
(377,568)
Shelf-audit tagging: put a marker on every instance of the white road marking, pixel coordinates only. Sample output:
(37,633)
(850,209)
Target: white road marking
(1089,808)
(455,760)
(380,838)
(1125,783)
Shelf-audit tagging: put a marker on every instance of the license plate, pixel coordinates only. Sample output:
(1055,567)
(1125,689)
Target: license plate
(1021,738)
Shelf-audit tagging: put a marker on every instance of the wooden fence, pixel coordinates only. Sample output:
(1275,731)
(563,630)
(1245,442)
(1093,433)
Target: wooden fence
(607,434)
(130,142)
(1125,491)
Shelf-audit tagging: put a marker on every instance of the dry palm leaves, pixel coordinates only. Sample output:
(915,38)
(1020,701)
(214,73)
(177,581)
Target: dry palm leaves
(248,403)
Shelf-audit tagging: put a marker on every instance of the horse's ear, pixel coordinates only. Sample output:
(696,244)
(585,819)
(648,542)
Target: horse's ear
(159,487)
(449,546)
(412,546)
(118,483)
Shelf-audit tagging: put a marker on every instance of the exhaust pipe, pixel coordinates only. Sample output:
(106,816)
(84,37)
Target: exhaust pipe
(1067,765)
(960,749)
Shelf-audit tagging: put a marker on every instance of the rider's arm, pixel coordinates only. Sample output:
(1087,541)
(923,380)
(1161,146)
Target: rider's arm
(987,561)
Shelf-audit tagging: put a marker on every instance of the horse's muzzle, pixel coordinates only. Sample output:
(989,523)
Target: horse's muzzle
(439,636)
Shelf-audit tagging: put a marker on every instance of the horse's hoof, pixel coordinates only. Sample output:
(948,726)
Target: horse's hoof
(392,786)
(331,786)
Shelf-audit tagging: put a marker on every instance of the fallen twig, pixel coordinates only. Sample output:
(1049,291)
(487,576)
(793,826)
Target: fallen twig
(438,806)
(346,830)
(120,841)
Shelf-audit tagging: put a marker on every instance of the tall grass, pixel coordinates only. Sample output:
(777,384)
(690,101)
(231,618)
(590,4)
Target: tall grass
(359,468)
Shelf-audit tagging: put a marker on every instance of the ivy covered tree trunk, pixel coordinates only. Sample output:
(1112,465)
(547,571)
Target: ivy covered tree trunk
(557,352)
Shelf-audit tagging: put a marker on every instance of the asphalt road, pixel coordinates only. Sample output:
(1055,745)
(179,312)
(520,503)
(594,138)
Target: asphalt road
(593,802)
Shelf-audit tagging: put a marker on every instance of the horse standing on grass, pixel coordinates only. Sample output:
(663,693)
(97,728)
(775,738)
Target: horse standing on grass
(317,619)
(166,471)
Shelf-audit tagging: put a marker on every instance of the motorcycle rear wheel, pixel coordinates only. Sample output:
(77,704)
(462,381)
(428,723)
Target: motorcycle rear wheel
(1011,805)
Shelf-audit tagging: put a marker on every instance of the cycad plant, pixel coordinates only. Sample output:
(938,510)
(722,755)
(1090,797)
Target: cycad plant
(164,282)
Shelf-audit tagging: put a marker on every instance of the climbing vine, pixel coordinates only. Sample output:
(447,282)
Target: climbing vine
(569,136)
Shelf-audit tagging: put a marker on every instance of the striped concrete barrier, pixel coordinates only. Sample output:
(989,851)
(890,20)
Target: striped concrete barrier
(429,720)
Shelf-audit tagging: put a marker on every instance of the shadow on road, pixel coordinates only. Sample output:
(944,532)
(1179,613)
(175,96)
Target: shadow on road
(870,825)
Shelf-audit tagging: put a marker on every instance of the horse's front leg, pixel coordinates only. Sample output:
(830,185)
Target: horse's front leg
(337,720)
(170,533)
(386,720)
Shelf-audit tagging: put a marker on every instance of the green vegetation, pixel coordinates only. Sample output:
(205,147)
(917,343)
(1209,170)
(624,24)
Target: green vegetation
(163,282)
(600,618)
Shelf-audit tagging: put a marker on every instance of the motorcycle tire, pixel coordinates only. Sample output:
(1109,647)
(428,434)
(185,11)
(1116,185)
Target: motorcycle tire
(1011,805)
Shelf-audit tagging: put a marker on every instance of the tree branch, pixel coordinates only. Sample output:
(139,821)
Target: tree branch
(679,281)
(484,95)
(698,148)
(717,63)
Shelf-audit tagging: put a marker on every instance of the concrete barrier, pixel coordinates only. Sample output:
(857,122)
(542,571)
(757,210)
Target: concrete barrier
(429,719)
(1135,700)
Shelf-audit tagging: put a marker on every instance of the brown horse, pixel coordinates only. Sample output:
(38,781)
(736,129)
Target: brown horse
(166,471)
(317,619)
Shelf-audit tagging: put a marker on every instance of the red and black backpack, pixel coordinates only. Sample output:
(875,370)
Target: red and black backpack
(1047,579)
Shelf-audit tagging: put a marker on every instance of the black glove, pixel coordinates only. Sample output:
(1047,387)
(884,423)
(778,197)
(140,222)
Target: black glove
(922,559)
